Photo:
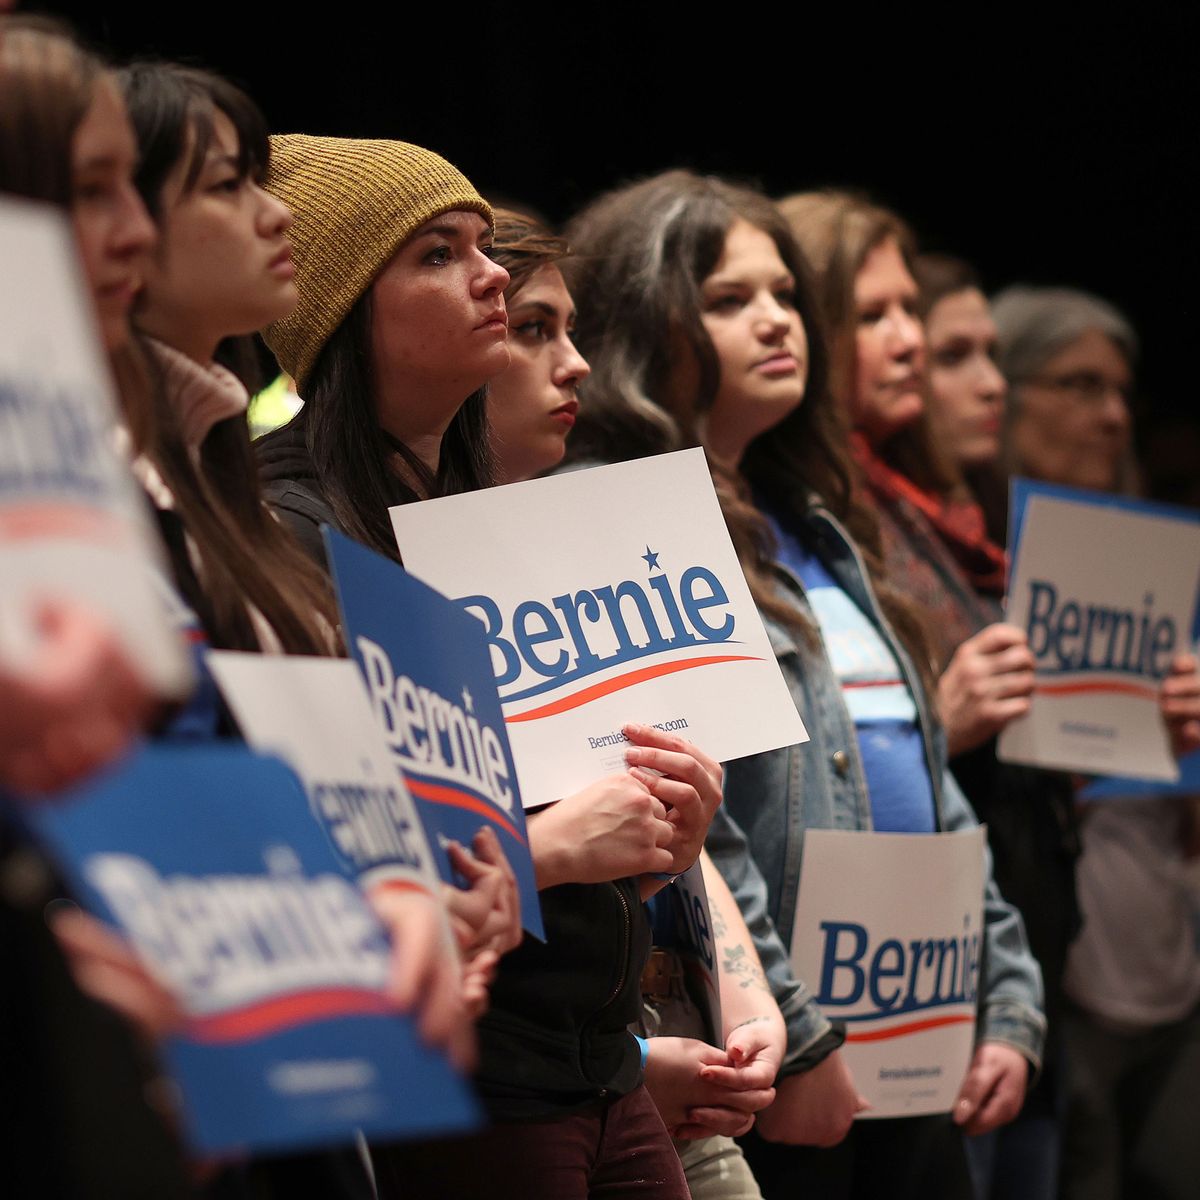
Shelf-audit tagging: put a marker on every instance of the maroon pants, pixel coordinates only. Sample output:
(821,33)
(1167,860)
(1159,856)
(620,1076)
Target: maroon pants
(618,1150)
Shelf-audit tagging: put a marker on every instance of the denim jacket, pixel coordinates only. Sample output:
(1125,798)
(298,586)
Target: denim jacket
(757,836)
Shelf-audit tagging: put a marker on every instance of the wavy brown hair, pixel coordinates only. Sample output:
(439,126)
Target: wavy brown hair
(641,255)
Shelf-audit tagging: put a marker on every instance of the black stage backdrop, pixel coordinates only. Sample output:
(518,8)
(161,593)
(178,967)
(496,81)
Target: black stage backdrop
(1047,149)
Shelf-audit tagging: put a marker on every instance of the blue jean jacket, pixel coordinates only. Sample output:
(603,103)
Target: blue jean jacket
(757,836)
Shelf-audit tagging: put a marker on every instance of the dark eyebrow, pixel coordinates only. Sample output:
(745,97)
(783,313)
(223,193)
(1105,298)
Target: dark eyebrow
(104,161)
(538,306)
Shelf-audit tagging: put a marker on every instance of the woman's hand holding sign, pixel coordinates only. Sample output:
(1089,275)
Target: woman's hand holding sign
(987,684)
(613,829)
(487,914)
(73,707)
(687,782)
(426,973)
(1179,702)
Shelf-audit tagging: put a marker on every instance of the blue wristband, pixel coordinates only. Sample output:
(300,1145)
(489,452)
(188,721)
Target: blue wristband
(645,1047)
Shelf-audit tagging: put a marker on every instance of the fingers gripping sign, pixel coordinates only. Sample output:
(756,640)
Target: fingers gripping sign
(1179,702)
(684,779)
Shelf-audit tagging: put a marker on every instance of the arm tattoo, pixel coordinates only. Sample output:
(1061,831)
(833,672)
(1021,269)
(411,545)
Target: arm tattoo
(739,963)
(719,928)
(748,1021)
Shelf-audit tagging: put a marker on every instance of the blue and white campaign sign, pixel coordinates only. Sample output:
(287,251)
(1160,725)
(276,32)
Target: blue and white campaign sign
(607,596)
(314,713)
(1106,589)
(430,688)
(73,525)
(681,921)
(209,863)
(897,957)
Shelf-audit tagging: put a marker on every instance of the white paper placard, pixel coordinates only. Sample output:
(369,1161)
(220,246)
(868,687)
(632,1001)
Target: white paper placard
(314,713)
(888,935)
(73,524)
(1106,591)
(608,595)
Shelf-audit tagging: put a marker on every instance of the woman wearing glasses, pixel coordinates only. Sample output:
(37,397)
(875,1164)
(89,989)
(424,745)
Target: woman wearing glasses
(1131,1023)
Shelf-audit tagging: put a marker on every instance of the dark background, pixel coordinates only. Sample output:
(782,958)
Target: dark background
(1050,149)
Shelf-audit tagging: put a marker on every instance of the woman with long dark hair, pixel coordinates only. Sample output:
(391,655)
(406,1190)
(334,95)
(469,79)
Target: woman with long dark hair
(400,326)
(699,317)
(705,1094)
(74,1098)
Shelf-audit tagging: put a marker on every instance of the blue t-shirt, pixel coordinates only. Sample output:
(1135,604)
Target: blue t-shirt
(876,695)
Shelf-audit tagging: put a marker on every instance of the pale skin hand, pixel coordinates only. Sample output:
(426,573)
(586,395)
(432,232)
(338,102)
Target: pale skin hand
(687,782)
(987,684)
(1179,703)
(487,914)
(426,975)
(71,709)
(994,1089)
(614,829)
(690,1104)
(726,1089)
(106,968)
(813,1108)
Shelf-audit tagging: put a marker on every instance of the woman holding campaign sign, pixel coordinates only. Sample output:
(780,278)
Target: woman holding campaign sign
(704,1094)
(721,344)
(401,324)
(1132,1073)
(913,436)
(64,139)
(74,1095)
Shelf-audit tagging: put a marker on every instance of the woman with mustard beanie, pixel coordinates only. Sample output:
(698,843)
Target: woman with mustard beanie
(400,325)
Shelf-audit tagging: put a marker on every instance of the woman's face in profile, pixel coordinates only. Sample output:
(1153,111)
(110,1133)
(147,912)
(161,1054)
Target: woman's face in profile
(113,231)
(966,389)
(532,405)
(748,310)
(1071,422)
(223,266)
(889,343)
(439,327)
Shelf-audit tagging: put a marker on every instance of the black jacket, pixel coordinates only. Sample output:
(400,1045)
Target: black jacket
(555,1036)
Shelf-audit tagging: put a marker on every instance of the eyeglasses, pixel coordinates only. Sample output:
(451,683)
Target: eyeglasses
(1086,386)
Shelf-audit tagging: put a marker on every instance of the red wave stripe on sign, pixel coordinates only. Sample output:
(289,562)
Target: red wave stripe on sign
(398,885)
(880,1035)
(281,1012)
(438,793)
(623,681)
(1117,687)
(61,520)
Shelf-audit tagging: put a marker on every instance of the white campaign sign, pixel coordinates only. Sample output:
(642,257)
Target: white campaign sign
(314,713)
(888,935)
(608,595)
(1107,595)
(73,525)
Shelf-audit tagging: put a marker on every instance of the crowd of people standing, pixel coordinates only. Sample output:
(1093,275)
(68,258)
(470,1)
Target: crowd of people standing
(861,406)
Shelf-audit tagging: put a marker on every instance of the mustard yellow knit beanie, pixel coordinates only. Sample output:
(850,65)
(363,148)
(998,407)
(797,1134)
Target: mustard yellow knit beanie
(355,203)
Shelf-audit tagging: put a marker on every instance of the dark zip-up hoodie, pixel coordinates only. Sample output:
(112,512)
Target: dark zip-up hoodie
(556,1034)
